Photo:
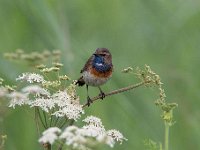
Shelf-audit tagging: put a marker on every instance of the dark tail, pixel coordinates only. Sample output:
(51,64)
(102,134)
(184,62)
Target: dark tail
(80,81)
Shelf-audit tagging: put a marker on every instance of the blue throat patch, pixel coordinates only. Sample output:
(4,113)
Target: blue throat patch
(100,65)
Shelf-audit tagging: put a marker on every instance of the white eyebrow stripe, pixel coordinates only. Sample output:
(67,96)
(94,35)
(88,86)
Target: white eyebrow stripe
(99,64)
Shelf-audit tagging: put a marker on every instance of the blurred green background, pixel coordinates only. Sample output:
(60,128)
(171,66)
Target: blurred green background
(164,34)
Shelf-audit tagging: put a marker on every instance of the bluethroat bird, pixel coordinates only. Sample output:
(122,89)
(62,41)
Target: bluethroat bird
(96,72)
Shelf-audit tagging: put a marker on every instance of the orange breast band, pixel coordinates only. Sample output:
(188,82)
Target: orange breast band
(96,73)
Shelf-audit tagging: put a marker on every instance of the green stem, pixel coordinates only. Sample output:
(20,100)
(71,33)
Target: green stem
(36,121)
(51,120)
(45,119)
(166,136)
(160,144)
(40,117)
(64,123)
(48,146)
(61,145)
(56,121)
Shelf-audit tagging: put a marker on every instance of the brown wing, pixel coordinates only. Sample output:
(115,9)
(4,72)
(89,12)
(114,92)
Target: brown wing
(88,63)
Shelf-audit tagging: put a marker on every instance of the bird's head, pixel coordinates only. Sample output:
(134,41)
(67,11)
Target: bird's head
(103,54)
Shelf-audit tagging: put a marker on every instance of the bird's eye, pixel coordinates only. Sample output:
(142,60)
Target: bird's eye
(103,54)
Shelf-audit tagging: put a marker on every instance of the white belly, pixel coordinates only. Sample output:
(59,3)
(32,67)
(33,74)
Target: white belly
(93,80)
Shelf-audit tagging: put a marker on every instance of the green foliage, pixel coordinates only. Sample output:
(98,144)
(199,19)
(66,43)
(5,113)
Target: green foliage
(2,141)
(163,34)
(151,145)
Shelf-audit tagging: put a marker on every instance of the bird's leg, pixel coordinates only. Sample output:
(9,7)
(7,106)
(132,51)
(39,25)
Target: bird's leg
(88,98)
(102,94)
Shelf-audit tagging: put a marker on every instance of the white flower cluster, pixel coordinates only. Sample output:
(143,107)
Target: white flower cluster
(72,111)
(50,135)
(31,77)
(62,102)
(81,138)
(36,90)
(94,127)
(114,136)
(45,104)
(61,98)
(18,98)
(65,103)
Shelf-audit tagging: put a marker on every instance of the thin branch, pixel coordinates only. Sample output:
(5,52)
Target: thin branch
(118,91)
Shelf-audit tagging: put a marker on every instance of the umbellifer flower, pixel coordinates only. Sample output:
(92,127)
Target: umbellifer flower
(50,135)
(94,127)
(74,138)
(71,111)
(68,104)
(36,90)
(31,77)
(87,136)
(113,136)
(93,131)
(93,120)
(61,98)
(18,98)
(44,103)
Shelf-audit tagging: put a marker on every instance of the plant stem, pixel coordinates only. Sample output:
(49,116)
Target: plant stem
(166,136)
(36,121)
(49,146)
(51,120)
(40,117)
(118,91)
(45,119)
(160,146)
(61,145)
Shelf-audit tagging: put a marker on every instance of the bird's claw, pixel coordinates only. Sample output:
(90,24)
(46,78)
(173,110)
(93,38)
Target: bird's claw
(102,95)
(89,101)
